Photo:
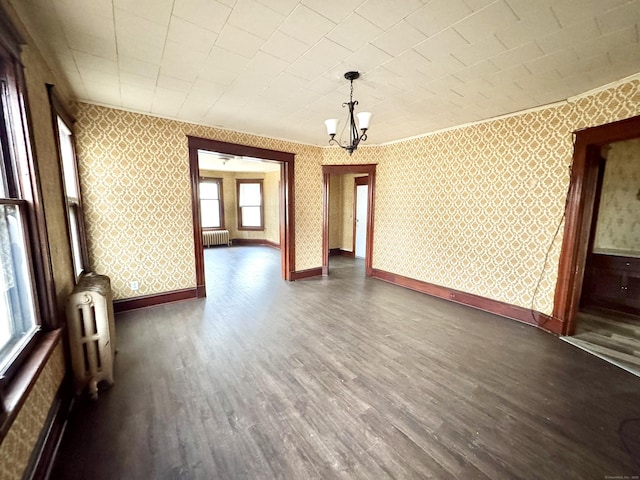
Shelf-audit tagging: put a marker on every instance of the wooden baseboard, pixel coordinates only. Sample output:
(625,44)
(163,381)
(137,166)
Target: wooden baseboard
(44,453)
(311,272)
(513,312)
(254,241)
(153,300)
(333,252)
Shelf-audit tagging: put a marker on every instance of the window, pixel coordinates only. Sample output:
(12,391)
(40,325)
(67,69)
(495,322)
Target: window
(211,204)
(250,207)
(71,185)
(18,307)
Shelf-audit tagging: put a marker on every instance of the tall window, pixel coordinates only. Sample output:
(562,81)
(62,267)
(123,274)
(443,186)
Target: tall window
(73,202)
(211,205)
(250,205)
(18,310)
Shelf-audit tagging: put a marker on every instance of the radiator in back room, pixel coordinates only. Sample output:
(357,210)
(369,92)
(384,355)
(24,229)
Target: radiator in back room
(92,334)
(215,237)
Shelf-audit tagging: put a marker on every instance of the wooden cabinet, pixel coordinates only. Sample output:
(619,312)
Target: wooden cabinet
(613,282)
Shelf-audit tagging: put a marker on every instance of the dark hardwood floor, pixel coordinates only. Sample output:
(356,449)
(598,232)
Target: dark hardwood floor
(612,336)
(345,377)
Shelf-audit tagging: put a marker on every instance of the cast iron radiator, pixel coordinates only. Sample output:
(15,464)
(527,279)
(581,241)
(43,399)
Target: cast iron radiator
(92,334)
(215,237)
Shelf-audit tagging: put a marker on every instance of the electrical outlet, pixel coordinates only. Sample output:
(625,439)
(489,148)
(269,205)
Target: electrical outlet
(134,286)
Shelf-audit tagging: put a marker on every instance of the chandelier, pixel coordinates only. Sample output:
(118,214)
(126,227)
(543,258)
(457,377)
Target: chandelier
(363,121)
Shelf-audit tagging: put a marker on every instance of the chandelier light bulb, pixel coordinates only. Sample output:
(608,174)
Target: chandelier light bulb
(363,120)
(332,126)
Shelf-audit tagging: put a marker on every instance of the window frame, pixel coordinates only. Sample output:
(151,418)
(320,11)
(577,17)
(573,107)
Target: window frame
(72,204)
(220,202)
(18,191)
(27,364)
(240,181)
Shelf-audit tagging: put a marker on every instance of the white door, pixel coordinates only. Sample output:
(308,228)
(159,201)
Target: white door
(362,192)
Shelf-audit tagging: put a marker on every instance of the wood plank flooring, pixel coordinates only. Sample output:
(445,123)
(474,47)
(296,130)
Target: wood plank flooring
(344,378)
(612,336)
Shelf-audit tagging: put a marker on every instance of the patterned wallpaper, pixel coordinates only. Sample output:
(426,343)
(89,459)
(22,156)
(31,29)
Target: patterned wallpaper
(473,208)
(341,211)
(347,209)
(619,214)
(271,203)
(335,211)
(134,173)
(16,448)
(271,191)
(476,208)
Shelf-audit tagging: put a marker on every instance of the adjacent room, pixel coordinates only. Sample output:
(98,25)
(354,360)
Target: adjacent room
(348,219)
(239,203)
(319,239)
(607,320)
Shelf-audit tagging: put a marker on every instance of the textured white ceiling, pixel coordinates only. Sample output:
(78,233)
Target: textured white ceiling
(275,67)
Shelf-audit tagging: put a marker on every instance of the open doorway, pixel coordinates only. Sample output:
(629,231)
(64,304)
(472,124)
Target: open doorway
(612,269)
(608,317)
(361,209)
(251,214)
(598,290)
(348,199)
(239,208)
(239,199)
(348,208)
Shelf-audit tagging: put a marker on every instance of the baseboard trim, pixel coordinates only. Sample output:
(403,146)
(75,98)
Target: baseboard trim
(153,300)
(333,252)
(513,312)
(311,272)
(46,449)
(254,241)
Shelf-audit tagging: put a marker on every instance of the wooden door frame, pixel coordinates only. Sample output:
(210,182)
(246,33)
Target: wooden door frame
(579,213)
(327,171)
(286,208)
(356,181)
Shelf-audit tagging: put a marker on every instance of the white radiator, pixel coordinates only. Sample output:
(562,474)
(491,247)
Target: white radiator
(92,334)
(215,237)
